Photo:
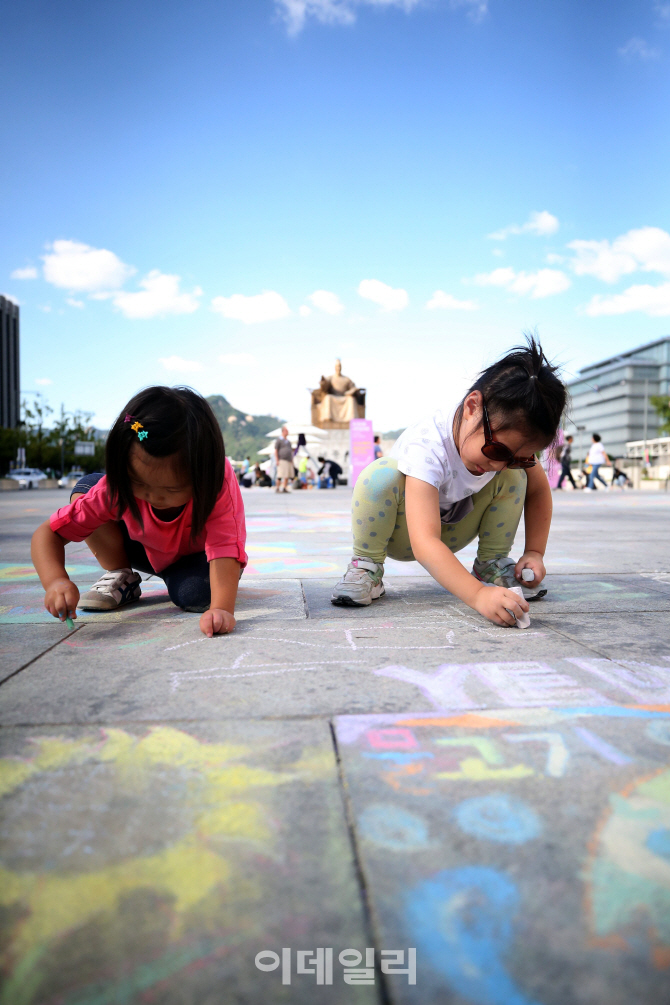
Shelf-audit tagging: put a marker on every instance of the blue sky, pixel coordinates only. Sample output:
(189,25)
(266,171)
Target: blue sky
(230,195)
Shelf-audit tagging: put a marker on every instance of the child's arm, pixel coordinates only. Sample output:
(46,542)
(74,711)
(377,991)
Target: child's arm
(424,526)
(537,511)
(224,576)
(48,554)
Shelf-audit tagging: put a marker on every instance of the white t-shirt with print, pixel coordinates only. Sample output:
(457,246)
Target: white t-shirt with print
(596,454)
(426,450)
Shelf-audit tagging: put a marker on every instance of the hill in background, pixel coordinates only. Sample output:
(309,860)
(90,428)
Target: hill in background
(244,435)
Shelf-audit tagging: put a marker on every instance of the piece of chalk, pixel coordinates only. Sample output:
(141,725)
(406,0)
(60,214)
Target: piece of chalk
(524,620)
(70,623)
(527,575)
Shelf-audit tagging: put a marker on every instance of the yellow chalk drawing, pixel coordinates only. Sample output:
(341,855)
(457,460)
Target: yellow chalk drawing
(483,768)
(187,870)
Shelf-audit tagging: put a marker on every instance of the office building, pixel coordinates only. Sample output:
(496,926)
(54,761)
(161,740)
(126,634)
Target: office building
(9,364)
(612,398)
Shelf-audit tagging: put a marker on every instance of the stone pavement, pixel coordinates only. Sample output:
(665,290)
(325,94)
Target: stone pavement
(403,777)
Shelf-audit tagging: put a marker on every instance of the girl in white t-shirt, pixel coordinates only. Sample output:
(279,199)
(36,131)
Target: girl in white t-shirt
(460,474)
(596,457)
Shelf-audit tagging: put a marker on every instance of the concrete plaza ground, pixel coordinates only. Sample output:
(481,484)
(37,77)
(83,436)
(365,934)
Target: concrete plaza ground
(323,780)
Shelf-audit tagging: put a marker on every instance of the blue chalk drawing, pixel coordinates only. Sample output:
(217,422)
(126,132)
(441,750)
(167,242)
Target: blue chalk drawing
(461,922)
(392,827)
(659,731)
(659,842)
(497,817)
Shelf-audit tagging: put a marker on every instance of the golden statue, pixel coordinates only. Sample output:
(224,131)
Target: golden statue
(337,400)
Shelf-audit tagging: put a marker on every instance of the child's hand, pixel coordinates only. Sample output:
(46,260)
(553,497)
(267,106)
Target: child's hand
(531,560)
(216,622)
(61,599)
(495,603)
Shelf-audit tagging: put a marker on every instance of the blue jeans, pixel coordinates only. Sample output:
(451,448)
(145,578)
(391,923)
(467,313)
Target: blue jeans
(595,473)
(187,579)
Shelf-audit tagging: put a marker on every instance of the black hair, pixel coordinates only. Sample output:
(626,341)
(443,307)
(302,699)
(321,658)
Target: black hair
(376,439)
(596,437)
(522,390)
(179,423)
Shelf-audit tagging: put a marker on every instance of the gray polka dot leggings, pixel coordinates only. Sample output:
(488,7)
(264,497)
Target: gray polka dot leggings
(380,526)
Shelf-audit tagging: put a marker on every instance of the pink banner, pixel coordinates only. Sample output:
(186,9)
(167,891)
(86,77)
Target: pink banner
(549,462)
(362,446)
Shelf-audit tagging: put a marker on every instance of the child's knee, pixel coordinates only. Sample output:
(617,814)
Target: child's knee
(191,592)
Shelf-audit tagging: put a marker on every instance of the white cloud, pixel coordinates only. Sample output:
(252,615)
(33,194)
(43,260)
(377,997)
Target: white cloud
(74,303)
(296,12)
(637,48)
(387,298)
(476,9)
(43,381)
(541,224)
(646,249)
(662,11)
(326,301)
(446,301)
(180,365)
(30,272)
(159,295)
(651,300)
(238,359)
(553,259)
(543,283)
(304,311)
(74,266)
(265,306)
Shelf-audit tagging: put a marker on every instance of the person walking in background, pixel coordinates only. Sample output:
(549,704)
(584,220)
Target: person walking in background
(596,457)
(378,448)
(566,460)
(284,459)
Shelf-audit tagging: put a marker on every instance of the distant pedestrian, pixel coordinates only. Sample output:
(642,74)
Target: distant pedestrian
(596,457)
(566,460)
(284,459)
(378,449)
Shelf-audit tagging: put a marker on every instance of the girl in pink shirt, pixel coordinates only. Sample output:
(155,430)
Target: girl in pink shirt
(169,505)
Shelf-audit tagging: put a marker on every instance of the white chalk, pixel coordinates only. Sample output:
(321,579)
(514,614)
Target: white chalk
(524,620)
(527,575)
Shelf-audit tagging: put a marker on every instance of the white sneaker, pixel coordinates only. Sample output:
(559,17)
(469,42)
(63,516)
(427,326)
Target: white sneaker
(113,589)
(361,584)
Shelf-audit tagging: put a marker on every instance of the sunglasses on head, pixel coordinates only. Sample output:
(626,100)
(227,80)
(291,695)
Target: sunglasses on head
(496,451)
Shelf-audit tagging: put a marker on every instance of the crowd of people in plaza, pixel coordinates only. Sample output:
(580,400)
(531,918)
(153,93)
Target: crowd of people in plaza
(589,473)
(293,467)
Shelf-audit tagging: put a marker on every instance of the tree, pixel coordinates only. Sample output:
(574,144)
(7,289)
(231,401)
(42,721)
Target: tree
(661,405)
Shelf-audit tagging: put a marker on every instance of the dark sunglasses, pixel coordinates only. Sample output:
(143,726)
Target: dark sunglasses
(498,451)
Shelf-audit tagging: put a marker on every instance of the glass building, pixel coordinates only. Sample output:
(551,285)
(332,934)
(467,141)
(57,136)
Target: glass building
(612,398)
(9,364)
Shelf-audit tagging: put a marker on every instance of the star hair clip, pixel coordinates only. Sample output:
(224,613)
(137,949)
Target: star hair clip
(136,427)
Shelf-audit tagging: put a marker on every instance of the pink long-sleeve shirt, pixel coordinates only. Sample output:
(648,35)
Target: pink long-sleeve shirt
(224,534)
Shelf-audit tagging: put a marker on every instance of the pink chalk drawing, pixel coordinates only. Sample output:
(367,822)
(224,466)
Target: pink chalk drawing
(397,738)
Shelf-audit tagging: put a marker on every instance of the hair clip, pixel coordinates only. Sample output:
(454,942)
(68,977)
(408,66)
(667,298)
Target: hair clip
(136,426)
(143,435)
(128,418)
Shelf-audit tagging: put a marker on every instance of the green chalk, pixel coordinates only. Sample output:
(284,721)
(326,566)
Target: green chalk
(70,623)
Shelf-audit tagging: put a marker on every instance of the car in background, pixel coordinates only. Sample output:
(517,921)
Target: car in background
(28,478)
(69,480)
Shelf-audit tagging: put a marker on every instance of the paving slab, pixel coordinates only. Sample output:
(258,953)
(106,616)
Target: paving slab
(155,864)
(584,593)
(623,637)
(20,646)
(160,671)
(522,853)
(22,598)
